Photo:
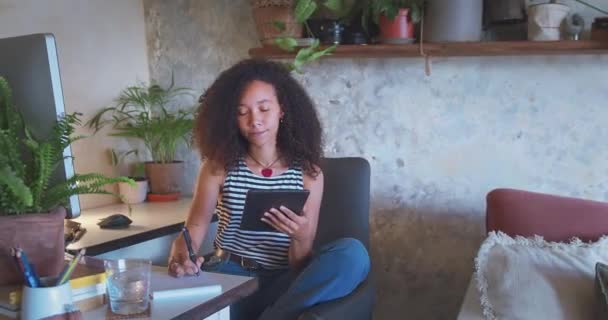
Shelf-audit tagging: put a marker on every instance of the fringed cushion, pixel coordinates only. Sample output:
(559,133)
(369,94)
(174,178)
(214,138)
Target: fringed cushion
(530,278)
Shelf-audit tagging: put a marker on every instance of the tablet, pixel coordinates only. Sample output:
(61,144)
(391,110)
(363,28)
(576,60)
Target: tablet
(259,201)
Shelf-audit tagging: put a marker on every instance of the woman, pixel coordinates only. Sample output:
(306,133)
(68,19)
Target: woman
(258,129)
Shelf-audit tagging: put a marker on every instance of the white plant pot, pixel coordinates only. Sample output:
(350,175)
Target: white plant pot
(544,21)
(133,194)
(43,302)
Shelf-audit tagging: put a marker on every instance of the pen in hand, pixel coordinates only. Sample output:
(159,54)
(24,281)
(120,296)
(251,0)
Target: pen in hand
(191,254)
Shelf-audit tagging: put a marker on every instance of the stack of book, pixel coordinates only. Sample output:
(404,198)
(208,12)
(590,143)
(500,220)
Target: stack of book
(88,282)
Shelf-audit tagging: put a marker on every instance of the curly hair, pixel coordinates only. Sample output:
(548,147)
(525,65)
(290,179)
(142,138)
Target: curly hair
(216,133)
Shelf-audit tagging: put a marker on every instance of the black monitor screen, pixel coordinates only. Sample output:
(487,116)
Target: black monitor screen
(29,64)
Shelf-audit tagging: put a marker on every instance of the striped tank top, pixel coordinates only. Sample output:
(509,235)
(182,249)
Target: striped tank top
(270,249)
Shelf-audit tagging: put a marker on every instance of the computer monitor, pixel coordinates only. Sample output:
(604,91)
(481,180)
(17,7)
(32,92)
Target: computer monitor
(29,64)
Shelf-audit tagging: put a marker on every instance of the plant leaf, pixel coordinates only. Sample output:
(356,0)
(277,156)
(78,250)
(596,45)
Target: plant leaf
(339,8)
(415,13)
(27,162)
(145,112)
(286,43)
(279,25)
(325,52)
(310,54)
(18,188)
(90,183)
(304,9)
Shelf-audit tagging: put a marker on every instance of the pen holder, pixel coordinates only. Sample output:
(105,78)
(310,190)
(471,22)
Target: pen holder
(42,302)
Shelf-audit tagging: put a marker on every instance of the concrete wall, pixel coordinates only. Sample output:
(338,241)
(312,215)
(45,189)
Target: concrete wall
(436,144)
(101,48)
(194,41)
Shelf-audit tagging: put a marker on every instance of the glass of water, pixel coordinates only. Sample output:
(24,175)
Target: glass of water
(128,284)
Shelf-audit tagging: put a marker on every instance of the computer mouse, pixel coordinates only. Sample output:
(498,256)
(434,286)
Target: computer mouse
(115,221)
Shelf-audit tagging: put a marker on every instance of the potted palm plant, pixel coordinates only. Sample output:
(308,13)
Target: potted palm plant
(32,207)
(149,113)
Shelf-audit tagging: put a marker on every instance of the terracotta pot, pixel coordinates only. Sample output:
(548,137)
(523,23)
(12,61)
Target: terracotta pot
(265,13)
(164,177)
(398,30)
(40,235)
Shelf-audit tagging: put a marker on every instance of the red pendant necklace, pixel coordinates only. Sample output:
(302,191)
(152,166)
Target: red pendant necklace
(266,170)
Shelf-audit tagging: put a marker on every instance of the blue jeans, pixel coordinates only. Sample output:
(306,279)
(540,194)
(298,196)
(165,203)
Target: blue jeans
(332,272)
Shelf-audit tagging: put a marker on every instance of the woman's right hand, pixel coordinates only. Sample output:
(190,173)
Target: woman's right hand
(204,200)
(179,261)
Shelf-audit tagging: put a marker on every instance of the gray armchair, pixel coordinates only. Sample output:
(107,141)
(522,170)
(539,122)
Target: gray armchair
(345,213)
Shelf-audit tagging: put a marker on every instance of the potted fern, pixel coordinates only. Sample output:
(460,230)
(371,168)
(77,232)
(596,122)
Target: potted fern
(149,113)
(32,208)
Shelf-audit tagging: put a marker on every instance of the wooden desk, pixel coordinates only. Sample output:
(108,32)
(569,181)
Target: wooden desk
(155,225)
(234,288)
(150,220)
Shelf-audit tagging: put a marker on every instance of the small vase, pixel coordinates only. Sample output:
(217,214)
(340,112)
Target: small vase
(133,194)
(544,21)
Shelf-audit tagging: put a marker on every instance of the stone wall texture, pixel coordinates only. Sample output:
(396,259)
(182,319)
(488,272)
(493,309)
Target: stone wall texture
(437,144)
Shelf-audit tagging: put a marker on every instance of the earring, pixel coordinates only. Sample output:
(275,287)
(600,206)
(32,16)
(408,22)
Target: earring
(281,120)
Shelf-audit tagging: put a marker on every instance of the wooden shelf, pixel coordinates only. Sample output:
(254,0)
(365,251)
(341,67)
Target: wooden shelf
(448,49)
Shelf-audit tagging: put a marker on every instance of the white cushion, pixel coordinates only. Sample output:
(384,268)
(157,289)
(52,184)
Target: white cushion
(529,278)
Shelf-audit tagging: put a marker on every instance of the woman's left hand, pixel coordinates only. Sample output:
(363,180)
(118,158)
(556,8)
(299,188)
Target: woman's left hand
(288,222)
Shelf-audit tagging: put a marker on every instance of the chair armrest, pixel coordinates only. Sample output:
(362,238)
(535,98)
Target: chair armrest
(357,305)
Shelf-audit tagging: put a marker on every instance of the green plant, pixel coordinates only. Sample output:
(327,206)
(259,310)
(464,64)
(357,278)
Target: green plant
(344,10)
(305,55)
(390,9)
(303,10)
(27,163)
(144,112)
(138,173)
